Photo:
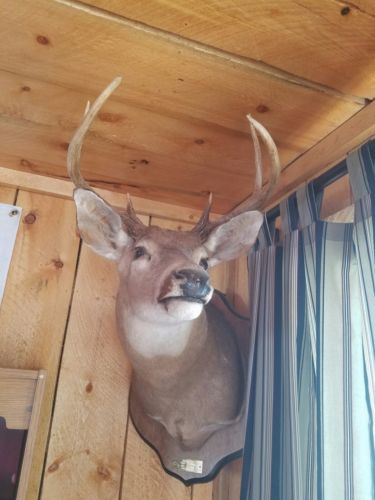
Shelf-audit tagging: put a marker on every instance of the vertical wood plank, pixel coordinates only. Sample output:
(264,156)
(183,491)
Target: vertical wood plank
(31,436)
(86,447)
(144,477)
(36,301)
(202,491)
(232,279)
(7,195)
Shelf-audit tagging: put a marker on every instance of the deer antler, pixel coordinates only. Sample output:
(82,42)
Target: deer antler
(260,195)
(203,226)
(75,146)
(130,220)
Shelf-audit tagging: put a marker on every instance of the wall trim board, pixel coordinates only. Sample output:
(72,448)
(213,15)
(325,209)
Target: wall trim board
(63,189)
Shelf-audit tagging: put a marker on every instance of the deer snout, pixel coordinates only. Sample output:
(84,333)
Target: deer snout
(193,283)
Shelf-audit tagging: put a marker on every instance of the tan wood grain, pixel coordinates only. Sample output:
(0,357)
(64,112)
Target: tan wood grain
(144,477)
(27,459)
(170,224)
(151,68)
(21,395)
(7,195)
(62,188)
(314,40)
(16,400)
(202,491)
(336,197)
(139,131)
(132,149)
(162,79)
(36,300)
(365,6)
(12,373)
(108,165)
(89,422)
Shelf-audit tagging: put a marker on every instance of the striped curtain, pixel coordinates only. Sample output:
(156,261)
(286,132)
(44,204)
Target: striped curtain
(311,423)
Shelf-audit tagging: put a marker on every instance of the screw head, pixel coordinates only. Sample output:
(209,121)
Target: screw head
(13,212)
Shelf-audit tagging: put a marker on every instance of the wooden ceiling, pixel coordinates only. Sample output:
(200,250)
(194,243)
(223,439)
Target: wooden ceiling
(192,70)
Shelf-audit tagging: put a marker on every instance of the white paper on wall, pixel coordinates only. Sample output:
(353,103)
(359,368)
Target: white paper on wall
(9,220)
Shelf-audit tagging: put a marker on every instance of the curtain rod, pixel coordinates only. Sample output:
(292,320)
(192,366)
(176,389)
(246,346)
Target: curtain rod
(321,182)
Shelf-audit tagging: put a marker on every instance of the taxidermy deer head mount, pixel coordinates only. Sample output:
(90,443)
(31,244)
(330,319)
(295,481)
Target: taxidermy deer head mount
(187,393)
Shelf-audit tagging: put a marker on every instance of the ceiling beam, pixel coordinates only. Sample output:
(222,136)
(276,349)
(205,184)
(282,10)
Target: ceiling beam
(211,51)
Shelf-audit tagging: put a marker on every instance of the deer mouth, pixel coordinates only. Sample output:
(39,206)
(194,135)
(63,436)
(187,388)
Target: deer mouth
(183,298)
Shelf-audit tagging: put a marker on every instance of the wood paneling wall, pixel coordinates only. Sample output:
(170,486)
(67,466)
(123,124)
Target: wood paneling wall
(58,314)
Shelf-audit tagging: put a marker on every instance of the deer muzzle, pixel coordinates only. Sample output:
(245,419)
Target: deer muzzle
(187,284)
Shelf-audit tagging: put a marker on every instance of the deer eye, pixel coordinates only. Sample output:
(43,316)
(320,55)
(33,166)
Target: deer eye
(204,263)
(139,252)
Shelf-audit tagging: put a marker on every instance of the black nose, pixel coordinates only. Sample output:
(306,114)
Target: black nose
(193,283)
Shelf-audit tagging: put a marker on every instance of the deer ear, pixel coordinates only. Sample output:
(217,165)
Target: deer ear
(100,225)
(233,238)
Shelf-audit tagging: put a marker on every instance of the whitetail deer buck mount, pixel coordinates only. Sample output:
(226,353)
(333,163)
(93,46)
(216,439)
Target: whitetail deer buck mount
(187,393)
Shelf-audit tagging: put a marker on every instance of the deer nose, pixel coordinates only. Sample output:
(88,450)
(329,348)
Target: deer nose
(194,283)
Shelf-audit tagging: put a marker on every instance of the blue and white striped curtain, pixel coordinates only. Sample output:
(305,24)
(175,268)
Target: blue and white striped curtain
(311,422)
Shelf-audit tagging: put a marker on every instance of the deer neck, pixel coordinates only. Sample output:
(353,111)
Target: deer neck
(145,341)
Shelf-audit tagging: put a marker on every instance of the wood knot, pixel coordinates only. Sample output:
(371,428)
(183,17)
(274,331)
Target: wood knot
(134,163)
(43,40)
(25,88)
(262,108)
(103,472)
(58,263)
(89,387)
(199,141)
(109,117)
(345,11)
(25,163)
(53,467)
(30,218)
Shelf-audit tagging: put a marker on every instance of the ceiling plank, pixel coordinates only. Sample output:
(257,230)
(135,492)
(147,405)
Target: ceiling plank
(328,42)
(55,43)
(41,149)
(173,131)
(144,132)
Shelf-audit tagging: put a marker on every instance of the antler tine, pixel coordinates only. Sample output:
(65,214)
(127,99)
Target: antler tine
(259,196)
(75,146)
(204,218)
(275,166)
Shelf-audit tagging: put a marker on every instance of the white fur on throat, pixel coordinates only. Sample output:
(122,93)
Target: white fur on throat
(156,339)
